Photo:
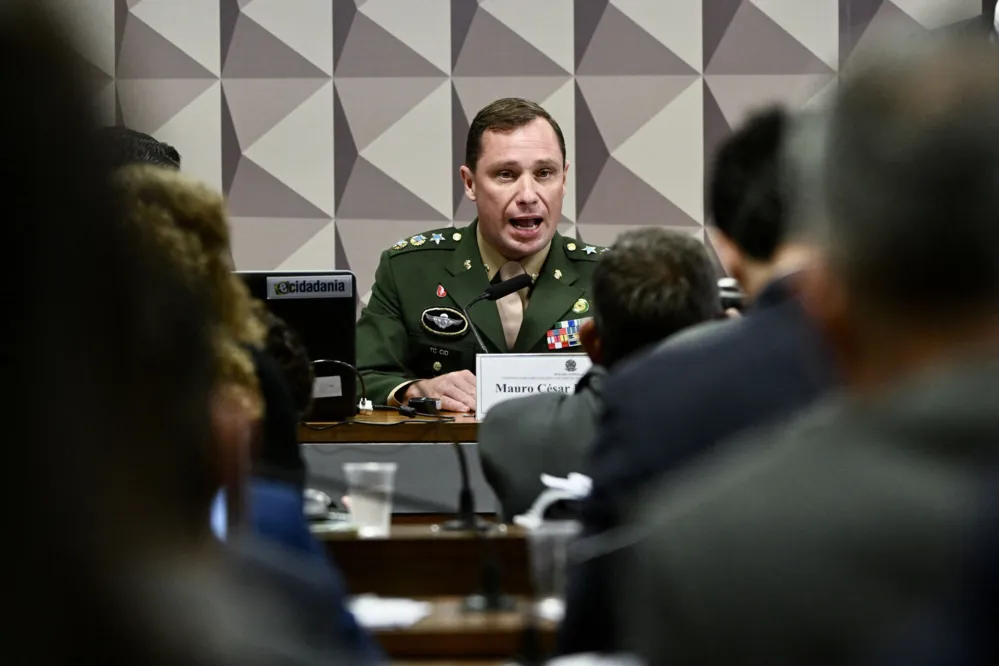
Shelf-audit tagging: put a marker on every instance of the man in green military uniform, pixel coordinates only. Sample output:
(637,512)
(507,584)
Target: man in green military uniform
(412,338)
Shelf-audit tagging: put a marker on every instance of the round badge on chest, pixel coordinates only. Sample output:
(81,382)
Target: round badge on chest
(446,322)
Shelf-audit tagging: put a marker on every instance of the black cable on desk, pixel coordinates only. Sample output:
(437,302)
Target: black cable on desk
(360,377)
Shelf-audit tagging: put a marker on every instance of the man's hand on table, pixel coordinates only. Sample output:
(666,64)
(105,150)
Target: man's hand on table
(455,390)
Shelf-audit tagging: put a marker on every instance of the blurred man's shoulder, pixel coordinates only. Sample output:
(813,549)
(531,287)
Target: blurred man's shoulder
(708,331)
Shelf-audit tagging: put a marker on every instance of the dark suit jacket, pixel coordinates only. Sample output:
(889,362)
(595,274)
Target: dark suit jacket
(812,543)
(664,409)
(962,630)
(523,438)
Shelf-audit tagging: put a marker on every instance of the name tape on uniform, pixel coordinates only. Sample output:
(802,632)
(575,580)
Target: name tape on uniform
(309,286)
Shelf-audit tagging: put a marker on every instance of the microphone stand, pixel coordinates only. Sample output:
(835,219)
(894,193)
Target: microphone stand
(467,520)
(475,330)
(490,597)
(532,650)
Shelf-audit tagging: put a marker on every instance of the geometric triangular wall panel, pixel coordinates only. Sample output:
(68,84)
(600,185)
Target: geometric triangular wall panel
(335,127)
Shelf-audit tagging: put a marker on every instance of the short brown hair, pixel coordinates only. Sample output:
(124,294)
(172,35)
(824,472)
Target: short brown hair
(505,115)
(650,284)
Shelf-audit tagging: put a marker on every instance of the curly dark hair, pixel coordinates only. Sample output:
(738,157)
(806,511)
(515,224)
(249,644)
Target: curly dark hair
(285,346)
(123,146)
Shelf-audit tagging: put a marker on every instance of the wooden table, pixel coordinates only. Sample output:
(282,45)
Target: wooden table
(450,632)
(421,561)
(391,427)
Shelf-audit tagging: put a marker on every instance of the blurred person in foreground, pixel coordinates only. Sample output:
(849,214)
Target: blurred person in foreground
(652,283)
(711,381)
(818,542)
(186,222)
(121,439)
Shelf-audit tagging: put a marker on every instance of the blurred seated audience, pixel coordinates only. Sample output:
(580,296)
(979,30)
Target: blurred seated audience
(652,283)
(122,439)
(187,223)
(817,541)
(701,386)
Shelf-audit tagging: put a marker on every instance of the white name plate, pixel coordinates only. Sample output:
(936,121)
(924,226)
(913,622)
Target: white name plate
(500,377)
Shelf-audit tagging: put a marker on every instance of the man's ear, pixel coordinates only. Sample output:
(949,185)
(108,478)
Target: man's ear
(827,304)
(589,338)
(468,180)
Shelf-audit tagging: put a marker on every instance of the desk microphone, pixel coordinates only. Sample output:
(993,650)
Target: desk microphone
(494,292)
(467,520)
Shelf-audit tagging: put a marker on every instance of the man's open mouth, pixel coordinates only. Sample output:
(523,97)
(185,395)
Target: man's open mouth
(526,222)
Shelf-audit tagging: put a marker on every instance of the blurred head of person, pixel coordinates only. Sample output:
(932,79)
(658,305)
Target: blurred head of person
(186,221)
(122,147)
(650,284)
(113,458)
(746,201)
(904,203)
(286,347)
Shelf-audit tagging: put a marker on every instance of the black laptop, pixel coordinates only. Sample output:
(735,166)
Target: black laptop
(321,306)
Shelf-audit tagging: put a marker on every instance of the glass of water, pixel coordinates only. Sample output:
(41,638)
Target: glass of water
(370,486)
(548,546)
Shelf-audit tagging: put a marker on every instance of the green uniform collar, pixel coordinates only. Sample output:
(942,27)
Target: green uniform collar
(554,292)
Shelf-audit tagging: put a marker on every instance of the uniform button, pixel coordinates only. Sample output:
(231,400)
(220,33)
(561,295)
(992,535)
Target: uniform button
(437,366)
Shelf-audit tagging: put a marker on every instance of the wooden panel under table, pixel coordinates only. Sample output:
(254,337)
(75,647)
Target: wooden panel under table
(421,561)
(450,631)
(390,427)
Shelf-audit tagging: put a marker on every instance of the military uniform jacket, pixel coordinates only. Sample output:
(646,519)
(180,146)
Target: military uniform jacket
(413,327)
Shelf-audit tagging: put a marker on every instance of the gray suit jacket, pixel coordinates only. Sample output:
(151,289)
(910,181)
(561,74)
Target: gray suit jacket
(816,543)
(523,438)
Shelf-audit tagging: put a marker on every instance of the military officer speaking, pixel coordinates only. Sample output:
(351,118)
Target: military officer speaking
(412,338)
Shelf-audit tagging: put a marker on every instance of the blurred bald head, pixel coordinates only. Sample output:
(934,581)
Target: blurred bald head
(911,182)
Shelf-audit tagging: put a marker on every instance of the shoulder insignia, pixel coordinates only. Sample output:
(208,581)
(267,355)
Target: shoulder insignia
(443,239)
(578,251)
